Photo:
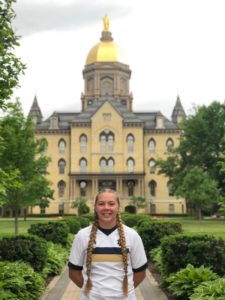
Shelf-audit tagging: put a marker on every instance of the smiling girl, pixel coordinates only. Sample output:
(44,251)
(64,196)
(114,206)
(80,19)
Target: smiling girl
(107,259)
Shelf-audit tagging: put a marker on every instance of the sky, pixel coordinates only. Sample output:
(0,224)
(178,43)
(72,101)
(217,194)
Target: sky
(172,46)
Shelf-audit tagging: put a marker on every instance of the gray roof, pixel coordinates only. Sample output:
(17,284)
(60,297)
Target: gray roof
(66,119)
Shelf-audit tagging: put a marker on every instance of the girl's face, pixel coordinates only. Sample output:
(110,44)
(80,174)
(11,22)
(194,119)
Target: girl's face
(107,208)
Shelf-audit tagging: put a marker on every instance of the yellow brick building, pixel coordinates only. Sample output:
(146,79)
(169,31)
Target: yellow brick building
(107,144)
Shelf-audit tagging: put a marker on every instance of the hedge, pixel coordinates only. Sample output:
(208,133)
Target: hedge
(31,249)
(178,251)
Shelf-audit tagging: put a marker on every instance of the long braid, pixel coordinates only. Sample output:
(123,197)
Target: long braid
(122,244)
(91,244)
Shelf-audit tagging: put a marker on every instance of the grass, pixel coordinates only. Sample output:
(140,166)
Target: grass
(213,227)
(7,226)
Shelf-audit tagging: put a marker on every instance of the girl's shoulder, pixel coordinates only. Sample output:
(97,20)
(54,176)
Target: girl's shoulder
(84,231)
(130,231)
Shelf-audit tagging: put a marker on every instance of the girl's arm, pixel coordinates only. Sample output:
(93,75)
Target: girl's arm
(77,277)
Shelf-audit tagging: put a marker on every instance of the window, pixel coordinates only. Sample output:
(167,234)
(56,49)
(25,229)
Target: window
(110,165)
(42,210)
(103,164)
(61,209)
(106,141)
(130,165)
(152,188)
(61,188)
(110,143)
(151,146)
(62,146)
(83,185)
(171,208)
(170,188)
(62,165)
(152,208)
(83,143)
(152,166)
(130,187)
(169,145)
(130,143)
(83,165)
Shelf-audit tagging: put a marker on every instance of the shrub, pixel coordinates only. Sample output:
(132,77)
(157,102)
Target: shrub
(56,232)
(212,290)
(56,258)
(84,221)
(19,281)
(151,232)
(134,220)
(31,249)
(155,255)
(198,250)
(73,224)
(183,283)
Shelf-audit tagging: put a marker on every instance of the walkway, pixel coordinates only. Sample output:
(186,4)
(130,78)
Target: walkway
(62,288)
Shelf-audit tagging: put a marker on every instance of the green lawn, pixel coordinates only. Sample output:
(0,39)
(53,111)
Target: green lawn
(214,227)
(7,226)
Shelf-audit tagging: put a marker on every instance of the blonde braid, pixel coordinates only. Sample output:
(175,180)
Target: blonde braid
(122,244)
(91,244)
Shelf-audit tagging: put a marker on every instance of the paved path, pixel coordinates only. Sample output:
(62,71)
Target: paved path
(62,288)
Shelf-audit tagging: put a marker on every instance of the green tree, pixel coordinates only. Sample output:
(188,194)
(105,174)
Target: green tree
(202,144)
(81,204)
(137,201)
(200,191)
(23,161)
(10,66)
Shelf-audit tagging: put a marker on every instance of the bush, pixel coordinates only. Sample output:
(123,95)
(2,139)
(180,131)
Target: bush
(134,220)
(56,232)
(155,255)
(29,249)
(19,281)
(151,232)
(183,283)
(84,221)
(56,258)
(212,290)
(180,250)
(73,224)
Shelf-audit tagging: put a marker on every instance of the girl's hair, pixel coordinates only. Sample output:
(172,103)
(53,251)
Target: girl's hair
(121,242)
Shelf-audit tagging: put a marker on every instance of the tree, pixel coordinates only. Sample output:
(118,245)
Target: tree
(23,161)
(81,204)
(10,66)
(138,201)
(202,145)
(199,190)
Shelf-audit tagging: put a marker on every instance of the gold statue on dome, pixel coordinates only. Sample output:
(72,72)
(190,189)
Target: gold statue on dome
(106,23)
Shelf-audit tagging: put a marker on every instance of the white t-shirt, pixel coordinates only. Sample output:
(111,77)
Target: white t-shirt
(107,271)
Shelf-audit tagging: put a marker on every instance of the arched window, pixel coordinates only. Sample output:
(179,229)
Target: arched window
(110,164)
(152,188)
(83,143)
(110,142)
(151,146)
(130,143)
(130,187)
(152,166)
(106,141)
(130,165)
(170,188)
(169,145)
(61,188)
(103,165)
(83,165)
(62,165)
(62,146)
(103,143)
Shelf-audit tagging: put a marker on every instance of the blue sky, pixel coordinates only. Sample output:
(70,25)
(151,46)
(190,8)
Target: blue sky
(172,46)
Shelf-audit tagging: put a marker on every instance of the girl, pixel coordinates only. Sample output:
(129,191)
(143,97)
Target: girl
(107,259)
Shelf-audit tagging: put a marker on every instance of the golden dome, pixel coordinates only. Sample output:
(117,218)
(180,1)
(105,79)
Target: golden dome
(106,50)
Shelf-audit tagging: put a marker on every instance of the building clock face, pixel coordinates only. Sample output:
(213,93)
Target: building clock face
(83,184)
(90,102)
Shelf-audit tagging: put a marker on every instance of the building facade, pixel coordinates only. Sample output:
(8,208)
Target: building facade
(107,144)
